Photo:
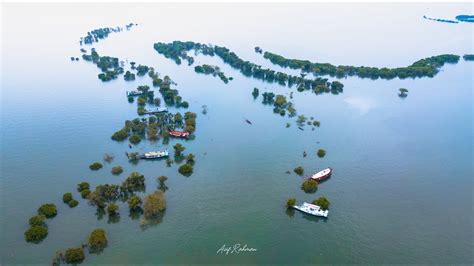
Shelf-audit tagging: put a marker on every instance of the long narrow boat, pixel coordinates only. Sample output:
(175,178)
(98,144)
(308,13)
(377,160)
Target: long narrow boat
(312,209)
(154,154)
(138,93)
(179,134)
(322,175)
(157,111)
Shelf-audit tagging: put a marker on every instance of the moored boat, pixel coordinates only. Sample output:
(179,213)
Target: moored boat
(322,175)
(137,93)
(157,111)
(312,209)
(154,154)
(179,134)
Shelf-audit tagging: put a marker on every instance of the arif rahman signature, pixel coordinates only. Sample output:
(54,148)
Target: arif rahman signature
(235,249)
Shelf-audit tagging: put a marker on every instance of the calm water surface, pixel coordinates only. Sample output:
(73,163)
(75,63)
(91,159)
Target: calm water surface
(402,188)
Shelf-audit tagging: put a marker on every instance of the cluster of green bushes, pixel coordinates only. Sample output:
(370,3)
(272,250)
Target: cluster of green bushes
(38,229)
(427,67)
(95,166)
(96,243)
(109,66)
(69,200)
(84,189)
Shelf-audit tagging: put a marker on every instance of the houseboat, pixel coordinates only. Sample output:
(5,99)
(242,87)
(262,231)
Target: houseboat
(157,111)
(138,93)
(154,154)
(322,175)
(312,209)
(179,134)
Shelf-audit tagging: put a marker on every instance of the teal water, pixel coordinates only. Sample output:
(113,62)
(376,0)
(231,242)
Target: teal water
(402,185)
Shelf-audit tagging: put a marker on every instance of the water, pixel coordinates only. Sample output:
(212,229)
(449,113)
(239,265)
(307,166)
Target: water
(402,185)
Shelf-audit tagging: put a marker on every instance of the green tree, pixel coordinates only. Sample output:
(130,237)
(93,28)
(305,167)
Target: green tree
(134,202)
(290,202)
(67,197)
(49,210)
(299,170)
(38,220)
(154,204)
(135,139)
(95,166)
(73,203)
(134,182)
(321,153)
(161,180)
(82,186)
(97,240)
(85,193)
(190,158)
(309,186)
(74,255)
(186,169)
(117,170)
(112,209)
(322,202)
(36,233)
(178,149)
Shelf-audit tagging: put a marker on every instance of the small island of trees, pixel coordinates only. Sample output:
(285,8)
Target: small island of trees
(468,57)
(321,153)
(95,166)
(211,70)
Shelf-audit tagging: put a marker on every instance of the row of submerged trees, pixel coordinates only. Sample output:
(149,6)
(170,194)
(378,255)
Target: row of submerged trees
(177,51)
(427,67)
(96,35)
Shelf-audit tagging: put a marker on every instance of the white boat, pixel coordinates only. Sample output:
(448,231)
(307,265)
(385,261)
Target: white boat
(322,175)
(312,209)
(155,154)
(157,111)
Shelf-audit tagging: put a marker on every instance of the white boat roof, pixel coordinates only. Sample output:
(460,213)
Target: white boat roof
(321,173)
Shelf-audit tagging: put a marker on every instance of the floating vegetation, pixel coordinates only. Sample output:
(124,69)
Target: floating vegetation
(177,51)
(102,33)
(290,202)
(212,70)
(427,67)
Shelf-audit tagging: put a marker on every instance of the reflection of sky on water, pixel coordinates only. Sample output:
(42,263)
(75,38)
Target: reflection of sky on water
(361,104)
